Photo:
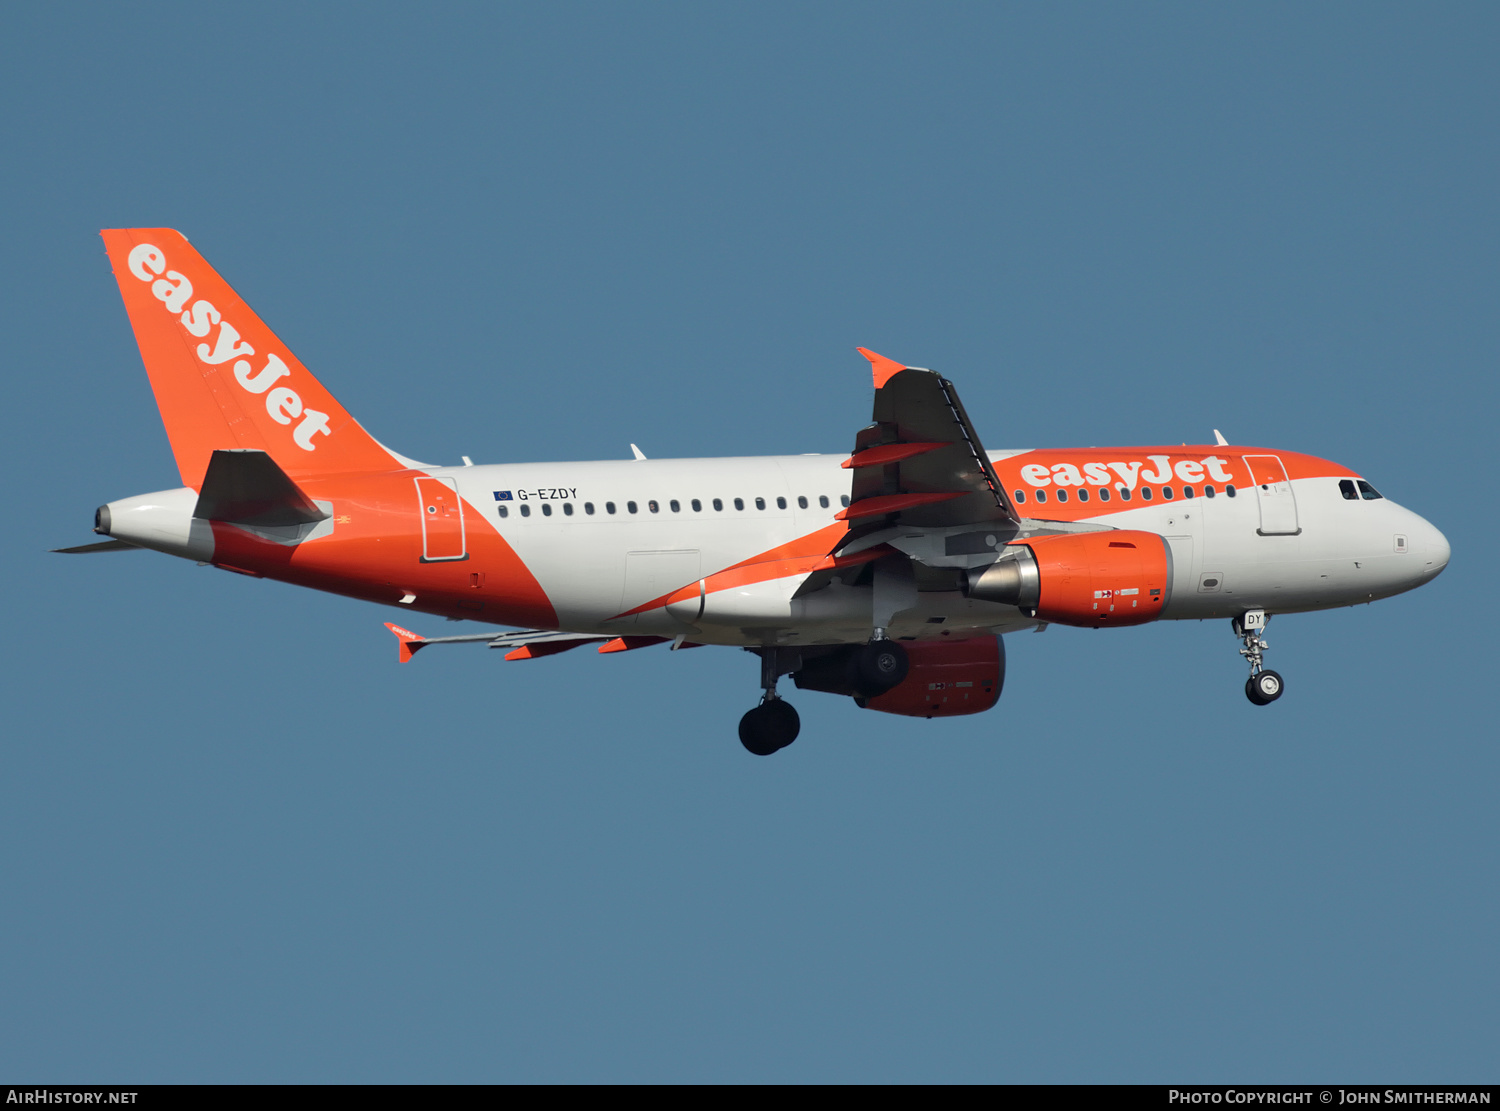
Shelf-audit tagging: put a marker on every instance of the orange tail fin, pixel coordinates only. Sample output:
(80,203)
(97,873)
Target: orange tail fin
(221,377)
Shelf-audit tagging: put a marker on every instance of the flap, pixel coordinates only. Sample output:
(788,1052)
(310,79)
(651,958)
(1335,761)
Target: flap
(246,487)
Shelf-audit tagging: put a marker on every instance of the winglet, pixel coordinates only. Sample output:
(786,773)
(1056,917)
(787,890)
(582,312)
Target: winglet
(882,368)
(410,642)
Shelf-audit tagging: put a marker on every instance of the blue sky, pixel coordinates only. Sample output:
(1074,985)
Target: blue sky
(238,842)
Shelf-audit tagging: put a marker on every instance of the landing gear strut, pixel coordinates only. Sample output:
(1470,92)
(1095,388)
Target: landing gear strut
(878,666)
(773,724)
(1264,686)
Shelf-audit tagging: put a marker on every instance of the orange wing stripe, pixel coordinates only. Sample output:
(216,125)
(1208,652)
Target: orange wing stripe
(747,574)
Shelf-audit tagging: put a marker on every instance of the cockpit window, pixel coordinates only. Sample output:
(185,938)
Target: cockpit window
(1368,492)
(1346,487)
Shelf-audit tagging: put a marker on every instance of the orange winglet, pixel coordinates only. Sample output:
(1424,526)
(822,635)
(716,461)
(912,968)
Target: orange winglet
(882,368)
(892,503)
(410,642)
(882,454)
(625,644)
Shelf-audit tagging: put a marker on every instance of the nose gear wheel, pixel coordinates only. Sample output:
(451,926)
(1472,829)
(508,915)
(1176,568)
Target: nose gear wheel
(1264,686)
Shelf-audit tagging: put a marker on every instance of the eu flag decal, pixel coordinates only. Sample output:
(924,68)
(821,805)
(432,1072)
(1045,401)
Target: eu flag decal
(503,495)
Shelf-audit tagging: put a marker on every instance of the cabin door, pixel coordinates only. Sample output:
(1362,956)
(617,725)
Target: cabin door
(1278,505)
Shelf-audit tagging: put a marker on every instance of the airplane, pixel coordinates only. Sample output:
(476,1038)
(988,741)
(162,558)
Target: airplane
(888,575)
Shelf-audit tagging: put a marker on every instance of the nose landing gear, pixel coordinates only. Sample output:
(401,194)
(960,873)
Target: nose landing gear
(1264,686)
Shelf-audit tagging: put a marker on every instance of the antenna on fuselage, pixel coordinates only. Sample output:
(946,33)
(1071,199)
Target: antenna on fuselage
(1219,438)
(637,452)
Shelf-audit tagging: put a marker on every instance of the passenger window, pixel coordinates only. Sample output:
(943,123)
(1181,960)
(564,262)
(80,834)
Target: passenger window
(718,505)
(1020,497)
(697,506)
(546,509)
(739,503)
(1083,495)
(504,512)
(1041,496)
(1166,493)
(844,500)
(823,500)
(567,509)
(1104,494)
(1062,495)
(588,507)
(525,510)
(675,505)
(1145,493)
(609,507)
(1229,490)
(780,503)
(1208,491)
(1187,491)
(1368,492)
(760,503)
(801,502)
(630,505)
(1124,494)
(651,505)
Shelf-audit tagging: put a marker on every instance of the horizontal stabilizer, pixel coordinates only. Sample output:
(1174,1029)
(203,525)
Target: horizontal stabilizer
(102,546)
(246,487)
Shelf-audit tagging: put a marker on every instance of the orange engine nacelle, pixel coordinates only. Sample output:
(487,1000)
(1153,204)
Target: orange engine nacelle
(1093,579)
(946,678)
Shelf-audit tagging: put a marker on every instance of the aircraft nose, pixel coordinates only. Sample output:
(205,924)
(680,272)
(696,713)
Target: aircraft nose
(1435,551)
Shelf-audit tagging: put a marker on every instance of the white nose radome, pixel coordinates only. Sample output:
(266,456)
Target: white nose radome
(1434,551)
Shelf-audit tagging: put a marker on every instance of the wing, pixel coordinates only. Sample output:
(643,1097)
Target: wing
(528,644)
(921,463)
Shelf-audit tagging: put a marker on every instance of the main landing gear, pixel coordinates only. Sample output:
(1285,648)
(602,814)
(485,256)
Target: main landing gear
(774,724)
(1264,686)
(770,727)
(864,671)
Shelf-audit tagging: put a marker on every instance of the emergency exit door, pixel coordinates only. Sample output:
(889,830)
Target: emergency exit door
(1278,506)
(442,520)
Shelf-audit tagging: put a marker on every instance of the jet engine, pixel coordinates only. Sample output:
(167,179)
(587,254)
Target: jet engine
(1094,579)
(944,678)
